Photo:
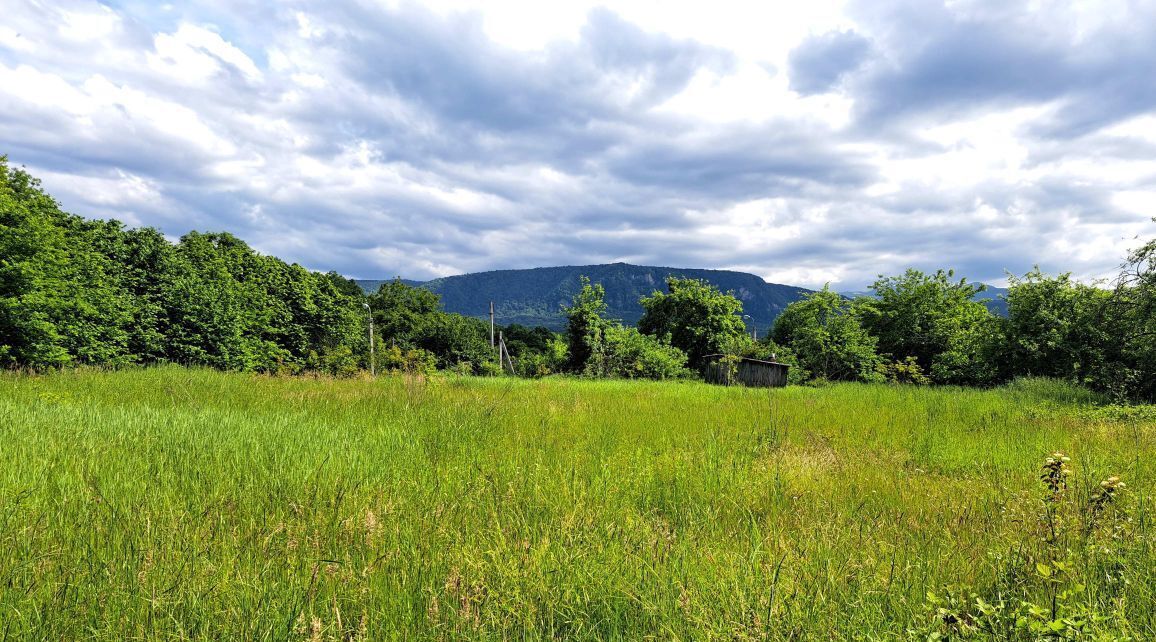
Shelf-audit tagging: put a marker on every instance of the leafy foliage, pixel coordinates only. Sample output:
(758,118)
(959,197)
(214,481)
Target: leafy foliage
(624,352)
(934,319)
(411,318)
(537,351)
(603,348)
(905,371)
(585,323)
(826,336)
(694,317)
(1056,327)
(58,301)
(927,328)
(77,292)
(1133,306)
(91,292)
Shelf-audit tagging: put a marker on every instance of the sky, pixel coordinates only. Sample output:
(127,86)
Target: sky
(806,142)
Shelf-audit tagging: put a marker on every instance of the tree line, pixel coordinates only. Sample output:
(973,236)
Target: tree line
(76,291)
(926,328)
(83,292)
(918,328)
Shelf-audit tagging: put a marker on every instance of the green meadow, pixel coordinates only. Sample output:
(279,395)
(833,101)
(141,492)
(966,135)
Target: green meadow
(169,503)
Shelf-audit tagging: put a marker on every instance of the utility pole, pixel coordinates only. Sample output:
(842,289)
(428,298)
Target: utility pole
(372,360)
(491,324)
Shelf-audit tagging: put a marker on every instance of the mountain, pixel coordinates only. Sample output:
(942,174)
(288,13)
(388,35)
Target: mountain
(536,296)
(991,298)
(371,285)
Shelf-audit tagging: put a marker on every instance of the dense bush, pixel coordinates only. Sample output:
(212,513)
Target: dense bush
(825,334)
(935,320)
(627,353)
(603,348)
(694,317)
(78,292)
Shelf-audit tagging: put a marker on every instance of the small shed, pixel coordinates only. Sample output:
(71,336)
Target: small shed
(743,371)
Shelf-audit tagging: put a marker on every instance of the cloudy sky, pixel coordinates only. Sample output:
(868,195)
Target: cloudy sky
(806,142)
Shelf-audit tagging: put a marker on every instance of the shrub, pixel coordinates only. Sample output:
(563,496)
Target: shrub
(824,332)
(410,360)
(693,316)
(552,359)
(627,353)
(905,371)
(338,361)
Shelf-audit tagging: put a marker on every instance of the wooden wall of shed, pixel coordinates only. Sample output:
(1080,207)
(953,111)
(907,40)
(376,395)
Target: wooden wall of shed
(760,375)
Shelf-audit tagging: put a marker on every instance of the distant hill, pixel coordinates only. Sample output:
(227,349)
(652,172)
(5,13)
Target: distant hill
(536,296)
(991,298)
(371,285)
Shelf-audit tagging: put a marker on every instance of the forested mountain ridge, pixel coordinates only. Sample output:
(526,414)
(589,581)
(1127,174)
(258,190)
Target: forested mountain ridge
(536,296)
(369,286)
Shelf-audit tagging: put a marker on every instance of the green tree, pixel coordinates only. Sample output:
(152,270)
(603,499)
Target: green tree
(537,351)
(59,303)
(1132,314)
(697,318)
(826,337)
(401,313)
(409,317)
(602,348)
(457,340)
(1057,328)
(76,291)
(145,262)
(551,358)
(218,315)
(32,254)
(933,319)
(585,323)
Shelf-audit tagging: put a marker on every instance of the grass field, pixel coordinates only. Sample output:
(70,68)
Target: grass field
(189,504)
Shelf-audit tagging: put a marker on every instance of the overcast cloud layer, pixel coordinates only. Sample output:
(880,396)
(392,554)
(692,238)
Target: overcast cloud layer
(827,143)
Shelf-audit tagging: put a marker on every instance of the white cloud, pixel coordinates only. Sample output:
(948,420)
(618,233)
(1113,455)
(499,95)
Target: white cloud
(88,26)
(397,139)
(196,54)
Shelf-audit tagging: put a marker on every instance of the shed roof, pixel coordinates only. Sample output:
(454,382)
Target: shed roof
(750,360)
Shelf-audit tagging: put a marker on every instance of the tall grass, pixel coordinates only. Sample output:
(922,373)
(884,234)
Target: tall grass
(189,504)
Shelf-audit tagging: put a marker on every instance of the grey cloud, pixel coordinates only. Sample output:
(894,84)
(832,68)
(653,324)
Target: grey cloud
(431,148)
(941,62)
(820,62)
(453,70)
(740,162)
